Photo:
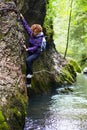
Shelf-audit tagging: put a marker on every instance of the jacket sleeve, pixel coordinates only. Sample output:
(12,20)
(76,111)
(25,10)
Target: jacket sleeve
(32,49)
(26,26)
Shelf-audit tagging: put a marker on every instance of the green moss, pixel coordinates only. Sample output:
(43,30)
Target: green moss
(69,72)
(66,76)
(75,65)
(48,21)
(1,117)
(15,112)
(3,124)
(40,84)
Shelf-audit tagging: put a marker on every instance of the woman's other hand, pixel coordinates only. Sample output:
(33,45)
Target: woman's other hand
(24,46)
(21,16)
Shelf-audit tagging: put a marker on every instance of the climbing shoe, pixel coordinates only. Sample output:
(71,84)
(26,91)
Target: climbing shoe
(29,76)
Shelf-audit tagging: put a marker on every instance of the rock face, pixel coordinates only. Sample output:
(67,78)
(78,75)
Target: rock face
(50,70)
(12,85)
(10,65)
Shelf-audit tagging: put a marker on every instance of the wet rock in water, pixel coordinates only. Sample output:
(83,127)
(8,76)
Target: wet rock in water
(85,70)
(64,90)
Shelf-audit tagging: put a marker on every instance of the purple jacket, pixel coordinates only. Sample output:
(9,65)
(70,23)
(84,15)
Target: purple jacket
(34,41)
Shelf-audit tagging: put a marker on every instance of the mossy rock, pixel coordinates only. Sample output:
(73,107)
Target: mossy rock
(68,75)
(1,117)
(14,113)
(75,65)
(3,123)
(40,84)
(69,72)
(4,126)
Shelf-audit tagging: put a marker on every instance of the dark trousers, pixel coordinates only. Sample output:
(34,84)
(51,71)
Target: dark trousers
(29,62)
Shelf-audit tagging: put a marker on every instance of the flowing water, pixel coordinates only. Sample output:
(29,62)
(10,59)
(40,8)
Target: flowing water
(59,111)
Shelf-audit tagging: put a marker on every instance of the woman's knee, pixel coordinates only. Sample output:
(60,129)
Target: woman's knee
(28,60)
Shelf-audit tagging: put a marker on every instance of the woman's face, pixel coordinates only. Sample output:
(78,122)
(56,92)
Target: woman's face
(35,32)
(36,29)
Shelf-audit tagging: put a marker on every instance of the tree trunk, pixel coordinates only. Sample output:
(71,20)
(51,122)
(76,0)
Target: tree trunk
(68,29)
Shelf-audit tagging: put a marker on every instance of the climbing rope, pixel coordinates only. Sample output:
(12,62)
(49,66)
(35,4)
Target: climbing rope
(43,71)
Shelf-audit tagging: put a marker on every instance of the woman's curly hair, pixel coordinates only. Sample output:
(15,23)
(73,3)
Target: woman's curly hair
(37,28)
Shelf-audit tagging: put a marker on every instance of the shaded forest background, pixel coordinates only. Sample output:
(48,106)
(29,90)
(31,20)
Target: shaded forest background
(59,11)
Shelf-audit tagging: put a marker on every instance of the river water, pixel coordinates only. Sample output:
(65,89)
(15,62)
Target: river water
(59,111)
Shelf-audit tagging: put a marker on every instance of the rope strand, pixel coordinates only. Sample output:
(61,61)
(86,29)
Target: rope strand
(43,71)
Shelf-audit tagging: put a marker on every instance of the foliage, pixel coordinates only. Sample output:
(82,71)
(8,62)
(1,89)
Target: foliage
(48,24)
(78,28)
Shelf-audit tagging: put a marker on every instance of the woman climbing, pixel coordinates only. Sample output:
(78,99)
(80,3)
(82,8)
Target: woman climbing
(34,50)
